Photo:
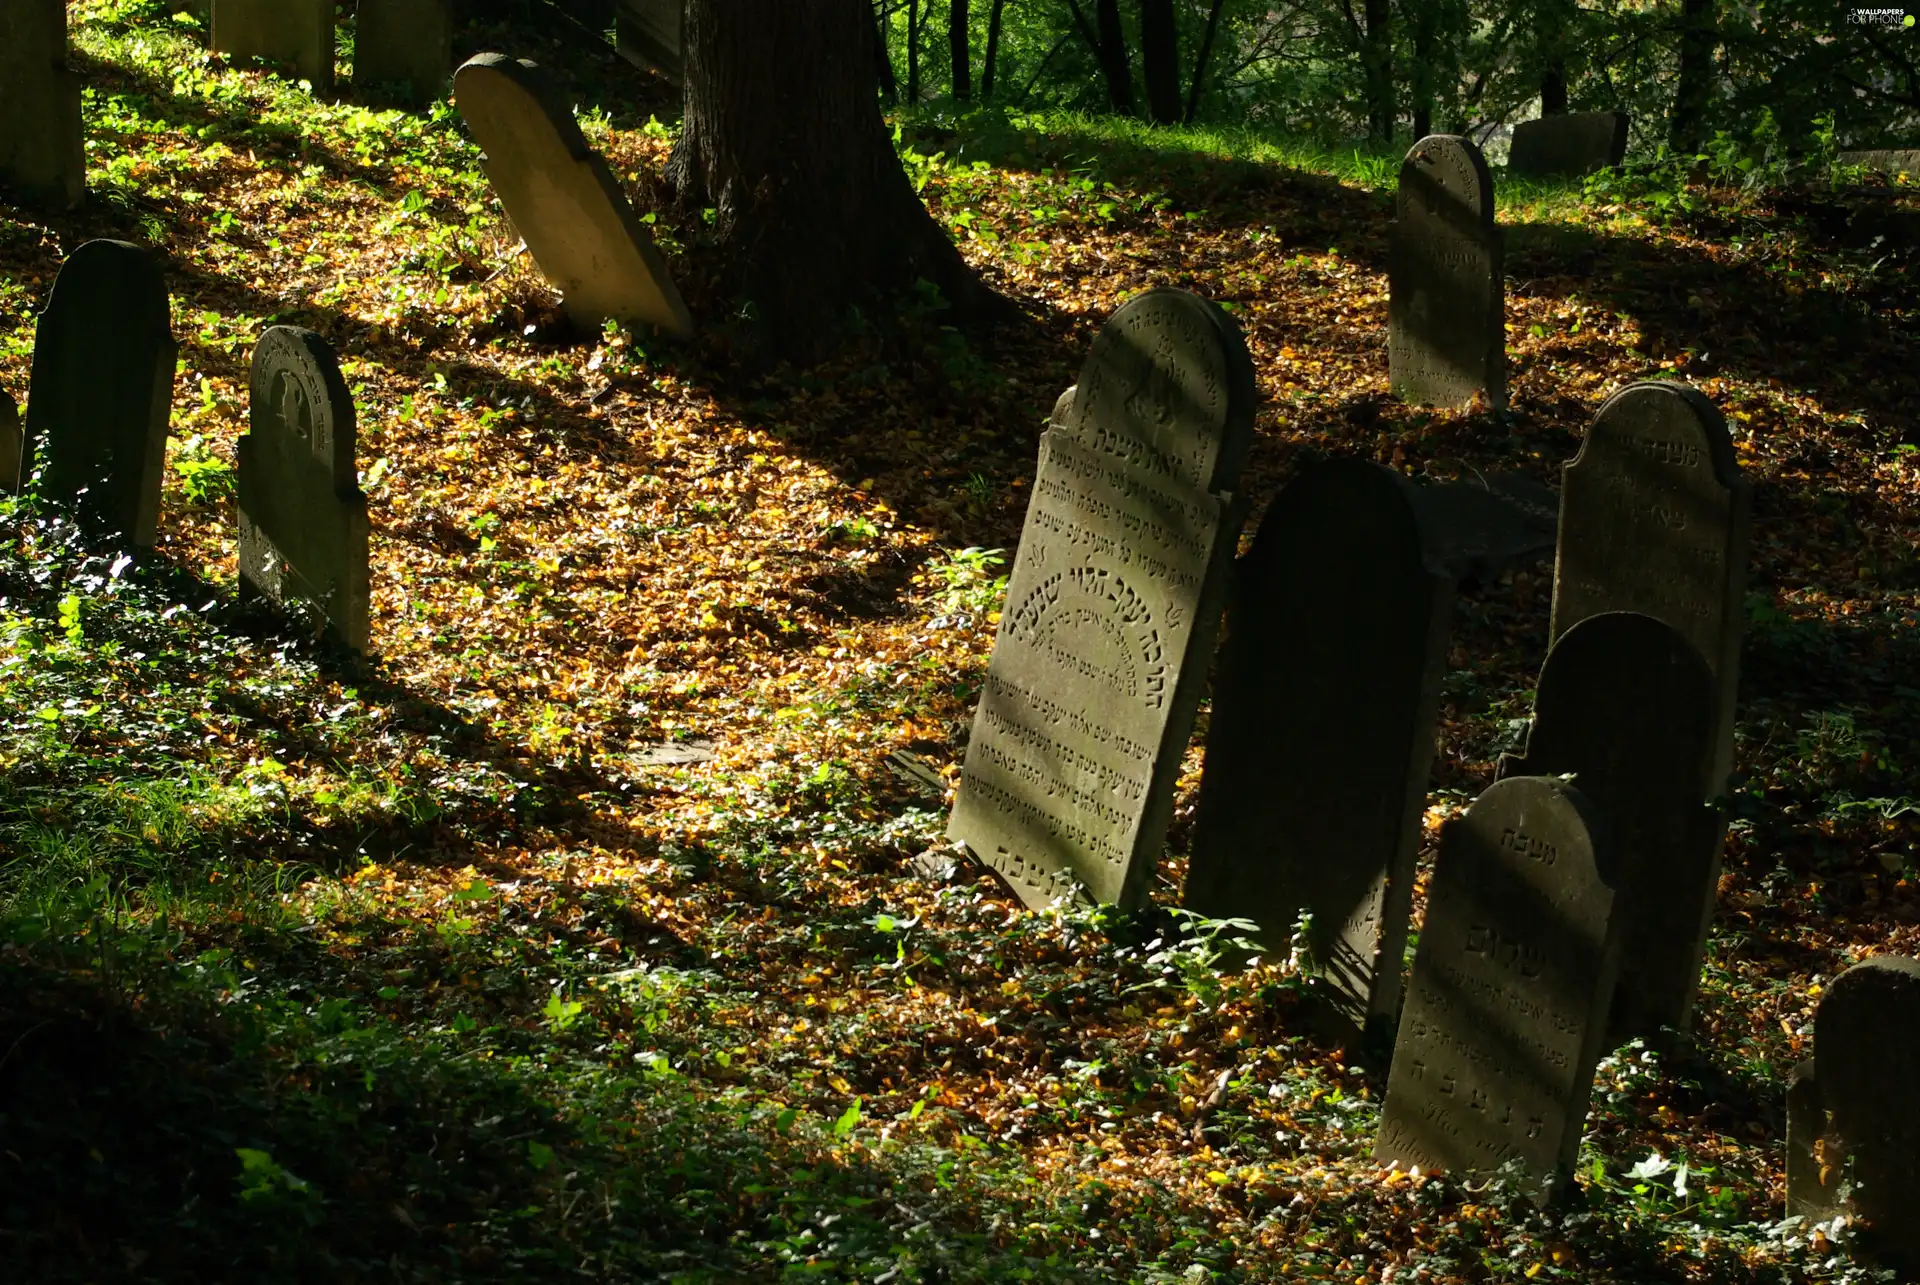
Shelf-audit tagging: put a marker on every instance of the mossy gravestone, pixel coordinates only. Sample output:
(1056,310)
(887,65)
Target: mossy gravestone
(12,441)
(41,156)
(297,34)
(1568,145)
(1626,704)
(303,520)
(1509,991)
(1446,309)
(1322,731)
(102,389)
(1112,607)
(403,49)
(562,198)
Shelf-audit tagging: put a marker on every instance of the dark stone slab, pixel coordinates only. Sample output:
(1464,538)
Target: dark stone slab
(296,34)
(1321,734)
(1509,991)
(1112,608)
(403,49)
(102,389)
(1446,312)
(303,520)
(1626,704)
(1653,518)
(563,199)
(1814,1159)
(1480,527)
(12,444)
(41,155)
(1887,159)
(647,33)
(1568,145)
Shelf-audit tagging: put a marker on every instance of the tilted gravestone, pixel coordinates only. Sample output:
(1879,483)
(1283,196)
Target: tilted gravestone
(41,150)
(1858,1118)
(648,34)
(1888,160)
(1626,704)
(1321,735)
(1509,991)
(1112,607)
(404,48)
(1446,308)
(563,200)
(303,520)
(289,33)
(102,389)
(1568,145)
(1653,518)
(12,440)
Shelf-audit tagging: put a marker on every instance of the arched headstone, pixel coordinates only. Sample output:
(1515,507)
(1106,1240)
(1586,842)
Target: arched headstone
(291,33)
(303,520)
(403,48)
(1112,607)
(1446,309)
(563,200)
(102,389)
(1568,145)
(41,147)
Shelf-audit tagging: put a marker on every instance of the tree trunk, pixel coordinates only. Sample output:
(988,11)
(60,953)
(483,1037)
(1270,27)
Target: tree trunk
(783,138)
(1160,60)
(1693,89)
(1553,89)
(913,50)
(993,49)
(1376,61)
(1200,60)
(1113,56)
(960,46)
(1426,22)
(883,61)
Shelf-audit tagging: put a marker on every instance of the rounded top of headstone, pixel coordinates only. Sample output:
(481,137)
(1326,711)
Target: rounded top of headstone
(1170,373)
(124,273)
(1379,503)
(475,90)
(1644,644)
(1659,410)
(1546,808)
(295,388)
(1865,1000)
(1447,168)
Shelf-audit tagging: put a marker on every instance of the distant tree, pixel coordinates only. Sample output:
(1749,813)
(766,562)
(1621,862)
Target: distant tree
(1160,60)
(1200,60)
(883,60)
(1693,76)
(960,49)
(913,50)
(993,49)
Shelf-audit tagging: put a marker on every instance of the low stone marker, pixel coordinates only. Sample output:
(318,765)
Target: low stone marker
(1887,160)
(102,389)
(1568,145)
(303,520)
(1446,311)
(404,48)
(1626,704)
(647,33)
(289,33)
(1321,735)
(12,442)
(1112,607)
(1509,990)
(41,154)
(1855,1126)
(563,200)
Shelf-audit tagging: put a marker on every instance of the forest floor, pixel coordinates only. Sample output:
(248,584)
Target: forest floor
(442,969)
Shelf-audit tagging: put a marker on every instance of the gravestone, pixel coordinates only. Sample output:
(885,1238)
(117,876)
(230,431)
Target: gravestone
(102,389)
(1653,518)
(563,200)
(289,33)
(11,442)
(1509,991)
(1446,309)
(1626,704)
(647,33)
(405,48)
(1888,160)
(1568,145)
(1815,1161)
(41,151)
(1321,736)
(1112,607)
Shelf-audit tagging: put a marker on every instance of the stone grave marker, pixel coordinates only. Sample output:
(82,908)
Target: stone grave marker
(1446,311)
(41,154)
(289,33)
(102,389)
(1815,1161)
(11,442)
(1112,607)
(563,200)
(1568,145)
(1626,704)
(1321,735)
(647,33)
(404,48)
(1653,518)
(1509,991)
(1887,159)
(303,520)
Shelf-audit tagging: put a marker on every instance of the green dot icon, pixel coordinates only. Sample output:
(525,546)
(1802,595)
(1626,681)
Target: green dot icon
(1908,22)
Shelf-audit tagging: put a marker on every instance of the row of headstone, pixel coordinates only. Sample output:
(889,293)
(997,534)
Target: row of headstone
(98,405)
(42,157)
(403,49)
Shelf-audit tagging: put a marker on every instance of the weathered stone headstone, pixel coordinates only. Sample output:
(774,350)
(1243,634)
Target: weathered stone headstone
(1626,704)
(1653,518)
(1889,160)
(1112,607)
(1321,735)
(41,152)
(289,33)
(1568,145)
(647,33)
(563,199)
(1509,991)
(303,520)
(102,389)
(1446,310)
(404,48)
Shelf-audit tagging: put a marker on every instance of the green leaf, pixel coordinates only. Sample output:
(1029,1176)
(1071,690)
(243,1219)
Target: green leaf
(541,1154)
(848,1120)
